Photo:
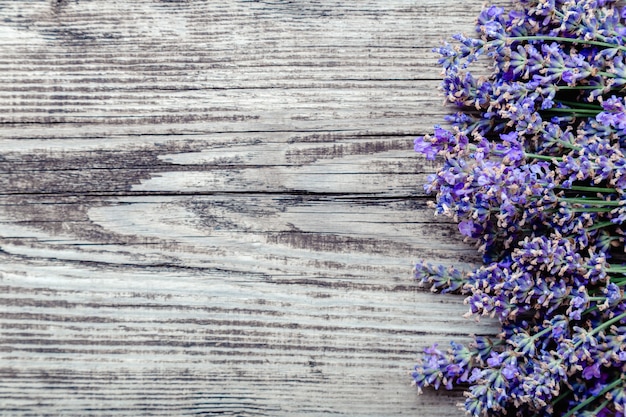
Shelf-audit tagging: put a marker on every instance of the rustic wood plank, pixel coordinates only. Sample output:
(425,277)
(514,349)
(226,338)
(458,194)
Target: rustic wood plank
(212,208)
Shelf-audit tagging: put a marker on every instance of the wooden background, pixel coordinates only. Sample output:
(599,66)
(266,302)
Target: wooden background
(213,207)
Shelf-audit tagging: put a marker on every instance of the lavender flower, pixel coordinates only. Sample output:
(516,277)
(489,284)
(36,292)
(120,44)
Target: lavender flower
(534,172)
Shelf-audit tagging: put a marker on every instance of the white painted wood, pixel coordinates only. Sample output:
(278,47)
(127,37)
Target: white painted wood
(213,208)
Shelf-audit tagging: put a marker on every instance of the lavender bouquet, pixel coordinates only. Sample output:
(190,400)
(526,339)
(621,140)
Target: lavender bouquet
(534,173)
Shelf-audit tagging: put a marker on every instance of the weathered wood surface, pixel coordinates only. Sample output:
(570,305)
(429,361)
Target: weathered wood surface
(212,207)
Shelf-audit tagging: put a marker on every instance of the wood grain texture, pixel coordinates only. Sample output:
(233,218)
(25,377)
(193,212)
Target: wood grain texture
(212,207)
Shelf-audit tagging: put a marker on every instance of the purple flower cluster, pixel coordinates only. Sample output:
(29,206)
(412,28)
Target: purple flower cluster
(533,171)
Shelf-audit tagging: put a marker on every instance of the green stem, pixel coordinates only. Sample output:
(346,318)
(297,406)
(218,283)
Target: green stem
(592,398)
(564,143)
(536,336)
(591,210)
(621,268)
(541,333)
(601,407)
(579,87)
(543,157)
(582,112)
(598,298)
(590,189)
(606,74)
(581,105)
(566,40)
(607,323)
(589,201)
(621,283)
(568,145)
(590,310)
(599,226)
